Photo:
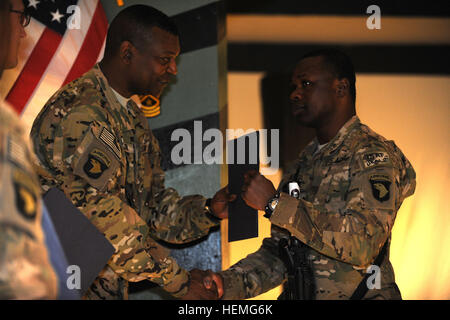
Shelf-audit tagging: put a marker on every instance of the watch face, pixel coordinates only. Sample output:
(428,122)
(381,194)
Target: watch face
(273,203)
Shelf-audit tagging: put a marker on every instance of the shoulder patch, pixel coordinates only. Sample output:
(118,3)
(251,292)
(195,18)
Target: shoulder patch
(26,199)
(109,139)
(381,185)
(97,162)
(16,152)
(371,159)
(97,158)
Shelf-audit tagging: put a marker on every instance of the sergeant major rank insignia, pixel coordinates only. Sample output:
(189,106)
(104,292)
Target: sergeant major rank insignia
(97,162)
(380,187)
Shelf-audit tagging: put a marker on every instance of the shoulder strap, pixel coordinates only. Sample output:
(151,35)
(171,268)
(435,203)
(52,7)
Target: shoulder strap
(362,288)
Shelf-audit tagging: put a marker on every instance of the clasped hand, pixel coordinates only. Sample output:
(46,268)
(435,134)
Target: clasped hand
(257,190)
(204,285)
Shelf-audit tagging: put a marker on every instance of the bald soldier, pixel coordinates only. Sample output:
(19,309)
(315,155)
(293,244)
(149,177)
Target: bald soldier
(25,268)
(334,210)
(94,143)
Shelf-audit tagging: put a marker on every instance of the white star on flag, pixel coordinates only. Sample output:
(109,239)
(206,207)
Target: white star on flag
(57,16)
(33,3)
(52,54)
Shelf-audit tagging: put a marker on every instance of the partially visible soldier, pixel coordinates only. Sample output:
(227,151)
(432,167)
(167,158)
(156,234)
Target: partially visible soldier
(25,269)
(94,143)
(334,210)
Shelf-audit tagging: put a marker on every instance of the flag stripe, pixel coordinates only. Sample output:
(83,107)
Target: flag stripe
(32,72)
(10,76)
(92,45)
(59,67)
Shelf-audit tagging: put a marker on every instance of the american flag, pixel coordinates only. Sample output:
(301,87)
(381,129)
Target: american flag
(65,39)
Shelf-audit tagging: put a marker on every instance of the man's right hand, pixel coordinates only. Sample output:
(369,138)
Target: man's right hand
(213,281)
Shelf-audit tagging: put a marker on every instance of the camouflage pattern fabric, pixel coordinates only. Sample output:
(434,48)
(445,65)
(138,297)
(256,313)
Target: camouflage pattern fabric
(350,192)
(104,157)
(25,268)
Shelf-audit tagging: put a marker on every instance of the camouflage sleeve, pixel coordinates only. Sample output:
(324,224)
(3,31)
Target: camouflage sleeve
(81,152)
(257,273)
(354,226)
(173,218)
(25,268)
(179,219)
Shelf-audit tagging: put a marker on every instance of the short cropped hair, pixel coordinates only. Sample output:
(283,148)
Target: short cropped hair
(339,64)
(133,24)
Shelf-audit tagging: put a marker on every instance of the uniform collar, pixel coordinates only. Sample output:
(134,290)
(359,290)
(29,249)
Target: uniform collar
(334,143)
(106,88)
(341,136)
(111,96)
(122,100)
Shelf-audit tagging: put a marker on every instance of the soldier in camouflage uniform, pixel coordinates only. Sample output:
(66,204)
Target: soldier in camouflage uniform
(351,181)
(25,269)
(96,146)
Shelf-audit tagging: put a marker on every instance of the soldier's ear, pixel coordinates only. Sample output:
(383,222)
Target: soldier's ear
(126,52)
(342,88)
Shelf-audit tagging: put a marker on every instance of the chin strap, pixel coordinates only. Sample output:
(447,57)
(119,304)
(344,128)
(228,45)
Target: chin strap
(150,106)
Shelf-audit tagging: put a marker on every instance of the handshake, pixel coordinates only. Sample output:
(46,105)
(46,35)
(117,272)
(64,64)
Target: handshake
(204,285)
(256,192)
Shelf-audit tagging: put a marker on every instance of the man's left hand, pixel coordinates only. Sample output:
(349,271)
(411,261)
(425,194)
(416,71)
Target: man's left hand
(257,190)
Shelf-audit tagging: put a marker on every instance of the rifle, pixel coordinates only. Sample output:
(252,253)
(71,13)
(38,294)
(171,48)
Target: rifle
(300,284)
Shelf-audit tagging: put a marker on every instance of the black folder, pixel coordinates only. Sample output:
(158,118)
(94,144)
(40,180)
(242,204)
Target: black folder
(242,219)
(83,245)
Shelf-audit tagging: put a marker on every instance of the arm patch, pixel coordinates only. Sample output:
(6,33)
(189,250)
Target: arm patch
(381,186)
(371,159)
(97,158)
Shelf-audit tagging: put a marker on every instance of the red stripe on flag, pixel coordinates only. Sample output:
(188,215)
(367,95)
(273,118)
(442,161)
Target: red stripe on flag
(33,70)
(92,44)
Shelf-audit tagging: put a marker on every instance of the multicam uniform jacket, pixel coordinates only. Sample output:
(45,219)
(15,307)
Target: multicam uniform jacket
(25,268)
(107,161)
(350,192)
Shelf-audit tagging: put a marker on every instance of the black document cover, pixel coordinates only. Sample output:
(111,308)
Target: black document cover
(83,245)
(242,219)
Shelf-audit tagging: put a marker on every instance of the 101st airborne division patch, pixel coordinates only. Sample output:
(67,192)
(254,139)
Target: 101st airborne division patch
(380,186)
(97,162)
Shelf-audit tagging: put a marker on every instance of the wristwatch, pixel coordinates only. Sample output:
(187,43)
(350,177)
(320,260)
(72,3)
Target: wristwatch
(208,209)
(208,205)
(271,205)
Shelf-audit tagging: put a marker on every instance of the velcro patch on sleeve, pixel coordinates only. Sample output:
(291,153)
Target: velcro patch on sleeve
(109,139)
(381,185)
(96,160)
(372,159)
(16,152)
(25,194)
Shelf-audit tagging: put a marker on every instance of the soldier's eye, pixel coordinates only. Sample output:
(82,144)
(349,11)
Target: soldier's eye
(164,60)
(306,83)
